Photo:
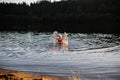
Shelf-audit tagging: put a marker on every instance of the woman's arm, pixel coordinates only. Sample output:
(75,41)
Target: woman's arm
(65,36)
(55,37)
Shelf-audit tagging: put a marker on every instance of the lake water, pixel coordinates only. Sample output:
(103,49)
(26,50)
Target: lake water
(89,56)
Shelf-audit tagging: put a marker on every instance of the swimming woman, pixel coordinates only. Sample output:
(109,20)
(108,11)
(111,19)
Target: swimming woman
(59,39)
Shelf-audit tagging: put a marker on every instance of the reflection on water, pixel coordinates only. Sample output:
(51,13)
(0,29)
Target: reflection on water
(91,56)
(59,48)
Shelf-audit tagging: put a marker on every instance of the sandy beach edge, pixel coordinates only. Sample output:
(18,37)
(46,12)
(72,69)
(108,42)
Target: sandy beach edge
(19,75)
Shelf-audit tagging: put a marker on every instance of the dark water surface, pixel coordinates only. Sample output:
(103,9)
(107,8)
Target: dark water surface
(90,56)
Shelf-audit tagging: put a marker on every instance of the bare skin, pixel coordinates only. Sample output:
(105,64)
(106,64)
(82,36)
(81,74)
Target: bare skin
(59,37)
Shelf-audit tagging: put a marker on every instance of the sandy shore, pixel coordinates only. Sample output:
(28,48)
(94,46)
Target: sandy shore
(14,75)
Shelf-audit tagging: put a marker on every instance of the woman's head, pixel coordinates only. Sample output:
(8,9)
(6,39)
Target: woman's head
(59,35)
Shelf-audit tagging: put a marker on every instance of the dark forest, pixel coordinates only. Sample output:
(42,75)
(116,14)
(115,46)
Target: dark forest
(85,16)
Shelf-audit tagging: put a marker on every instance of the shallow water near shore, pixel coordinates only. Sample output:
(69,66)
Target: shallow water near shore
(89,56)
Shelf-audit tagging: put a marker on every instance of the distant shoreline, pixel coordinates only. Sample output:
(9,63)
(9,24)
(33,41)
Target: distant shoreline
(83,16)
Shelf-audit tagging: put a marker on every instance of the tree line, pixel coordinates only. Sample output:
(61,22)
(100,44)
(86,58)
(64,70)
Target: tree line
(98,16)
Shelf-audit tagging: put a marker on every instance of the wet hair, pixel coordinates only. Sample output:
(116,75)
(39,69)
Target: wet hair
(59,35)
